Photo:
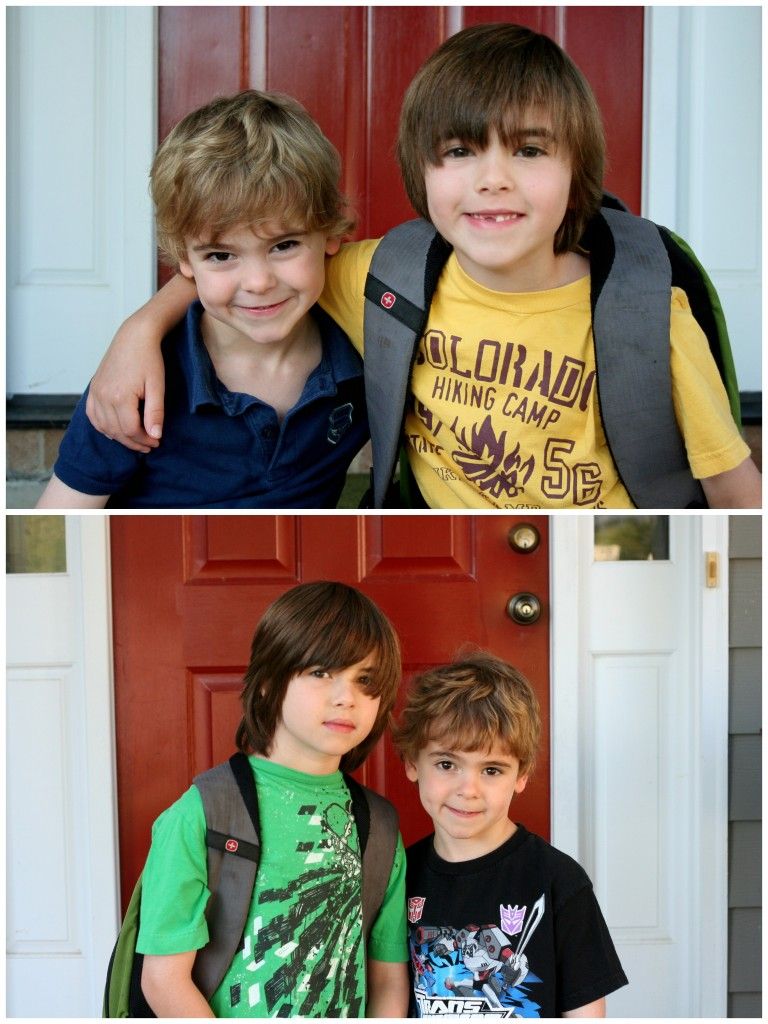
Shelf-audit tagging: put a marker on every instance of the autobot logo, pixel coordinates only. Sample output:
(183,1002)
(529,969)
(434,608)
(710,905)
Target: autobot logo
(415,908)
(388,300)
(231,845)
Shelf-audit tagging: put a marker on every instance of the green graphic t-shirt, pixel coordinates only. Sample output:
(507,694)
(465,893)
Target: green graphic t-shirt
(303,951)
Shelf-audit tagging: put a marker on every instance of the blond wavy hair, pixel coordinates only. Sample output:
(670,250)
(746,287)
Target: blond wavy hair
(245,159)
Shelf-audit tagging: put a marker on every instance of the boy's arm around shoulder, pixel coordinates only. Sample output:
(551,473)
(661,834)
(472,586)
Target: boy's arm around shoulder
(736,488)
(132,370)
(343,296)
(166,982)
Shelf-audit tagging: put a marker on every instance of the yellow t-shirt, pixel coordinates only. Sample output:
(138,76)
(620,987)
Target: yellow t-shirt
(504,410)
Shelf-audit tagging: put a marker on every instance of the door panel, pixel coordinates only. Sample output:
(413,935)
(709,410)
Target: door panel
(350,67)
(188,592)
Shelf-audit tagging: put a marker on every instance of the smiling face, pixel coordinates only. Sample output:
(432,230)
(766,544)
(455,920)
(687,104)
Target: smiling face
(259,285)
(467,794)
(501,207)
(325,713)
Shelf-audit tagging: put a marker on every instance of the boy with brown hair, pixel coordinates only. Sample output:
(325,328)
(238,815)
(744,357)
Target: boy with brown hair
(500,922)
(501,148)
(266,403)
(317,695)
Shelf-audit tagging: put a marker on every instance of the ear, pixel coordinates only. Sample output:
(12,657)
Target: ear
(332,246)
(522,782)
(411,771)
(186,270)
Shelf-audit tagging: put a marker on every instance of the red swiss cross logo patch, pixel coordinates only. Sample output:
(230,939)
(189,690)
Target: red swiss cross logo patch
(388,300)
(231,845)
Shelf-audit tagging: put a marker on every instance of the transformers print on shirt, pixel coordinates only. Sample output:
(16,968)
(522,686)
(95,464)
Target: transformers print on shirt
(477,969)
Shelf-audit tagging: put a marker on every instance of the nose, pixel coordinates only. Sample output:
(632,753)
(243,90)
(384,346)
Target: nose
(343,689)
(258,277)
(468,786)
(494,169)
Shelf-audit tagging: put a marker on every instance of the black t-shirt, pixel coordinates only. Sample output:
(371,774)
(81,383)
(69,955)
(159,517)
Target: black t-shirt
(515,933)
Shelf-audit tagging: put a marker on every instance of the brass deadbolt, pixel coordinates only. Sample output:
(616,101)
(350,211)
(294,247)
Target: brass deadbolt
(524,538)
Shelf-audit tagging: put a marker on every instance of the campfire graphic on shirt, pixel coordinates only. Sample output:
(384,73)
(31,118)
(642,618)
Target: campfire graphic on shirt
(478,969)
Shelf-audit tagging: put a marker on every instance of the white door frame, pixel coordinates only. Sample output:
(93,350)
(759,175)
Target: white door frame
(570,547)
(59,648)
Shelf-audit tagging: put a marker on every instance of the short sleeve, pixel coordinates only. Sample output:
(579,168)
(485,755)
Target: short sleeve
(588,967)
(343,297)
(712,439)
(387,940)
(91,463)
(174,882)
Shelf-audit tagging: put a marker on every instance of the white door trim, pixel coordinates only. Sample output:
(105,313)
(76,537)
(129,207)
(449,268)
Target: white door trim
(570,554)
(95,595)
(59,653)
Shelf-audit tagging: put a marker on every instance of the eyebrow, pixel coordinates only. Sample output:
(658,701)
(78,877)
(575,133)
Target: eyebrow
(229,246)
(453,754)
(214,246)
(538,133)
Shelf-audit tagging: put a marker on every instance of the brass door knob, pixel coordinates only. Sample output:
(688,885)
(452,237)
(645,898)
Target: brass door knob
(524,538)
(524,609)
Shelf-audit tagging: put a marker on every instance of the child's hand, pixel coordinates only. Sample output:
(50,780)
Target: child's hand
(127,374)
(133,370)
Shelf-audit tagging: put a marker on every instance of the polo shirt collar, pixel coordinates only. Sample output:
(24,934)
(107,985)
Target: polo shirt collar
(339,362)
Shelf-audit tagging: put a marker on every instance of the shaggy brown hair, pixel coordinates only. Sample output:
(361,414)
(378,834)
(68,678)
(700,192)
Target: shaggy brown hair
(496,78)
(324,624)
(245,159)
(471,705)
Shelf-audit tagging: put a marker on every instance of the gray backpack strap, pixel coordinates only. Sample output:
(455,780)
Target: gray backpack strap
(630,324)
(379,855)
(398,291)
(233,855)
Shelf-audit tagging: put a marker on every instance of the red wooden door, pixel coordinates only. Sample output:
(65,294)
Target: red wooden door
(188,592)
(351,65)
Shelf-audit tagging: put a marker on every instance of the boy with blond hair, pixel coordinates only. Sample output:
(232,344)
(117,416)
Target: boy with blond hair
(266,404)
(501,148)
(500,922)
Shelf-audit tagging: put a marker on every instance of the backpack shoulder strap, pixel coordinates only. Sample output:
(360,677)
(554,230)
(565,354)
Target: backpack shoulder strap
(630,321)
(229,798)
(377,831)
(398,291)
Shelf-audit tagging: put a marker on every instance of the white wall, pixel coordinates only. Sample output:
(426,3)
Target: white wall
(81,133)
(702,163)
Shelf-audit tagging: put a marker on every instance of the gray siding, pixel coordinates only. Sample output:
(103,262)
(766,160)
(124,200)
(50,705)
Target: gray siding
(744,798)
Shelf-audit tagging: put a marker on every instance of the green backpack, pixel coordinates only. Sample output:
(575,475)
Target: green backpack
(233,841)
(631,336)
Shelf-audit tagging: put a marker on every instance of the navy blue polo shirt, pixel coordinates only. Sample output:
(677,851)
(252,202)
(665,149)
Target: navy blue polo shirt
(223,449)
